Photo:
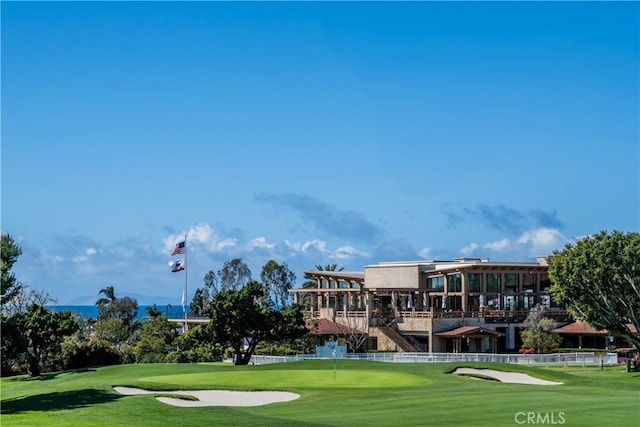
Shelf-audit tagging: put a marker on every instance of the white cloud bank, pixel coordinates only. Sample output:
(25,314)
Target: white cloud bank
(532,243)
(79,266)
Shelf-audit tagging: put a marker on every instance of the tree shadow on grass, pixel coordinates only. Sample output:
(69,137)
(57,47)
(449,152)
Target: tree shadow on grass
(48,375)
(57,401)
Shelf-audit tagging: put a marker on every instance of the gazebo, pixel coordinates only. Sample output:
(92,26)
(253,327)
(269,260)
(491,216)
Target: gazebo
(471,337)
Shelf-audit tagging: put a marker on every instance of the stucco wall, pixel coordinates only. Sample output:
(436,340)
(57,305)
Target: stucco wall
(408,324)
(392,277)
(384,342)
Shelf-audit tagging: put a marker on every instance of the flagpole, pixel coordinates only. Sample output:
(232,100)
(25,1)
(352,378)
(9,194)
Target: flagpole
(186,249)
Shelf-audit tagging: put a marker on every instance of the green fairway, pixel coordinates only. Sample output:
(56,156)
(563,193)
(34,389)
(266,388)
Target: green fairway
(355,393)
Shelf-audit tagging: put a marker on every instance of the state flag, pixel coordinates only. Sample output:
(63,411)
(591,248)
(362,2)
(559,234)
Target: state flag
(176,266)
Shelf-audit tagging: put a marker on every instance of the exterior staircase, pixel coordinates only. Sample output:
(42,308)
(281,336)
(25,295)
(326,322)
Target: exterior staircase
(400,341)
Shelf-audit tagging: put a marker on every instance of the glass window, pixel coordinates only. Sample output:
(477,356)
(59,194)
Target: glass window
(332,284)
(511,280)
(454,282)
(473,303)
(475,282)
(344,284)
(545,283)
(493,282)
(529,282)
(323,283)
(436,283)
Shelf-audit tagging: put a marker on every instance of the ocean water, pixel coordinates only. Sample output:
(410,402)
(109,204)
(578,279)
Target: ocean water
(173,312)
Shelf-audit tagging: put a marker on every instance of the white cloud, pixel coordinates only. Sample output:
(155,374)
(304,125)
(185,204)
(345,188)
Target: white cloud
(319,245)
(543,241)
(199,236)
(532,243)
(227,243)
(344,253)
(469,249)
(498,245)
(425,253)
(260,242)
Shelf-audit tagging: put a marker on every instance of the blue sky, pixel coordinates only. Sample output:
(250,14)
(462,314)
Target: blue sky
(310,133)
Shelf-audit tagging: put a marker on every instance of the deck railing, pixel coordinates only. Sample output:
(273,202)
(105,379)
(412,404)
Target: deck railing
(434,314)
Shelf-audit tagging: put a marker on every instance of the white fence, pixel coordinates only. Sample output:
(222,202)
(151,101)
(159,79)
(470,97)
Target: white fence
(553,359)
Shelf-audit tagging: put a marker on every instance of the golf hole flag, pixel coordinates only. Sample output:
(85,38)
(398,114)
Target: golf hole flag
(176,265)
(179,248)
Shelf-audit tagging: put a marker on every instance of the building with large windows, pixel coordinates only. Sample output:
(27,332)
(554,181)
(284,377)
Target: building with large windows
(462,305)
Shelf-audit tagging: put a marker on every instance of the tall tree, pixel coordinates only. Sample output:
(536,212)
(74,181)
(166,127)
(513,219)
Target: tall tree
(234,274)
(243,318)
(538,333)
(202,296)
(9,253)
(598,277)
(43,330)
(239,316)
(278,279)
(109,295)
(110,306)
(211,283)
(13,339)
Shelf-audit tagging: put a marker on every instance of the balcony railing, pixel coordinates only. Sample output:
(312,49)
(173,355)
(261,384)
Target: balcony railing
(507,315)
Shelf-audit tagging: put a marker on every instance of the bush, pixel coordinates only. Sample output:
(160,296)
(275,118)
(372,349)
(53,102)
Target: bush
(276,349)
(83,354)
(204,353)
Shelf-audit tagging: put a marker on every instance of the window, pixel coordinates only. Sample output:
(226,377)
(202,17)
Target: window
(511,281)
(493,282)
(545,283)
(475,282)
(343,284)
(323,283)
(454,282)
(529,282)
(436,283)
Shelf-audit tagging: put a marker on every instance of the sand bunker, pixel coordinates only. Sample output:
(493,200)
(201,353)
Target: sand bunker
(215,397)
(506,377)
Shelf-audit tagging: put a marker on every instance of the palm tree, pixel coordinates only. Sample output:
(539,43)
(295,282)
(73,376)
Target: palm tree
(329,267)
(109,296)
(153,312)
(104,302)
(312,283)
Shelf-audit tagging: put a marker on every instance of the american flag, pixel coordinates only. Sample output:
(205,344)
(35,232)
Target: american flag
(179,248)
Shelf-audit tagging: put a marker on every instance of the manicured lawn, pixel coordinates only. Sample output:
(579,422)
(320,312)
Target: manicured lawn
(361,393)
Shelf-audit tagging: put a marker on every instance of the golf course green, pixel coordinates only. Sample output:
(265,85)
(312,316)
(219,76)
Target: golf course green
(341,392)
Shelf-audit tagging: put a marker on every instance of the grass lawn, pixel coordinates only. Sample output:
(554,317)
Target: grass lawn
(357,393)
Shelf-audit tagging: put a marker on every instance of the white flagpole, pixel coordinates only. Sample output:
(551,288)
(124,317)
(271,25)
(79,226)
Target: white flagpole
(184,306)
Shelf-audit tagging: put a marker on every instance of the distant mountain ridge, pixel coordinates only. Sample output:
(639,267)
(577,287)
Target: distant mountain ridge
(142,299)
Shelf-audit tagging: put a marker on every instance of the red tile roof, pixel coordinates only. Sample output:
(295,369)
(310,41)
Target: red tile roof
(326,327)
(581,328)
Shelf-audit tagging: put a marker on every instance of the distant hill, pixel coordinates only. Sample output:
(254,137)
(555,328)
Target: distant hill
(142,299)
